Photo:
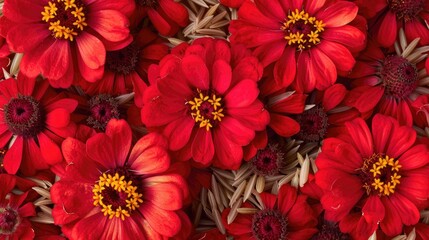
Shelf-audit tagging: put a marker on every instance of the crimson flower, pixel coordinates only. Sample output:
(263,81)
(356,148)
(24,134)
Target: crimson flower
(389,82)
(65,37)
(112,191)
(14,212)
(308,40)
(285,216)
(34,119)
(373,179)
(205,102)
(411,15)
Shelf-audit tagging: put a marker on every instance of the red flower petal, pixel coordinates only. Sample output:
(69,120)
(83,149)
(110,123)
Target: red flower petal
(228,155)
(147,141)
(91,50)
(272,8)
(78,163)
(242,94)
(152,160)
(8,183)
(382,129)
(12,159)
(100,149)
(401,140)
(110,24)
(90,227)
(386,34)
(164,222)
(360,136)
(373,209)
(50,150)
(313,6)
(166,196)
(407,211)
(236,132)
(196,72)
(175,11)
(347,35)
(179,132)
(58,118)
(120,133)
(338,14)
(340,55)
(286,198)
(333,96)
(285,68)
(202,146)
(249,12)
(283,125)
(268,199)
(221,76)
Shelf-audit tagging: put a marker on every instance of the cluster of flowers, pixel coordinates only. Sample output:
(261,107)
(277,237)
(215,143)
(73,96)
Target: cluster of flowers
(157,119)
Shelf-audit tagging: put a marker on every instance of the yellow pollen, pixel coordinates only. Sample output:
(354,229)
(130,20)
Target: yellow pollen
(205,110)
(385,165)
(302,30)
(66,18)
(120,185)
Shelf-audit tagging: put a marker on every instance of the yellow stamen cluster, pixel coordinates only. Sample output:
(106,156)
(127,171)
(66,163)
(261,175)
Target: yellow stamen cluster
(197,114)
(388,186)
(298,38)
(50,15)
(119,184)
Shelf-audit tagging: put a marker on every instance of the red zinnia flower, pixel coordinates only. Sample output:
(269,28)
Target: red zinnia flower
(34,120)
(110,191)
(389,82)
(411,15)
(61,38)
(372,180)
(166,15)
(14,212)
(307,39)
(205,102)
(285,216)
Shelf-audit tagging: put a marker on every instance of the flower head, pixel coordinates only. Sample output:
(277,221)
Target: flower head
(108,186)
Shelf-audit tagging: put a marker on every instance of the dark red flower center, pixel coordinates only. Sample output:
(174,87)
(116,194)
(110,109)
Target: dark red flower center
(380,174)
(399,76)
(269,225)
(66,18)
(103,108)
(313,123)
(406,9)
(23,116)
(148,3)
(267,161)
(302,30)
(330,231)
(206,109)
(118,193)
(123,61)
(9,221)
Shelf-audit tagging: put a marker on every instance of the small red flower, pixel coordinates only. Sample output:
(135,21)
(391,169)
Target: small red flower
(14,212)
(34,120)
(392,15)
(286,216)
(112,191)
(206,102)
(388,82)
(369,179)
(309,41)
(66,37)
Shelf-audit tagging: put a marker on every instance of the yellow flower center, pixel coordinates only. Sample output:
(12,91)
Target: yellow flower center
(206,109)
(116,196)
(302,31)
(66,18)
(382,175)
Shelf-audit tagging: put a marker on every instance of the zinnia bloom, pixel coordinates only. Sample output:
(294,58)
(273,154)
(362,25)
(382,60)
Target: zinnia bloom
(14,212)
(285,216)
(33,121)
(112,191)
(61,38)
(206,102)
(411,15)
(390,82)
(373,180)
(309,40)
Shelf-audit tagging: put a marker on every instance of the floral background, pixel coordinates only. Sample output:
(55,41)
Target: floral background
(200,119)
